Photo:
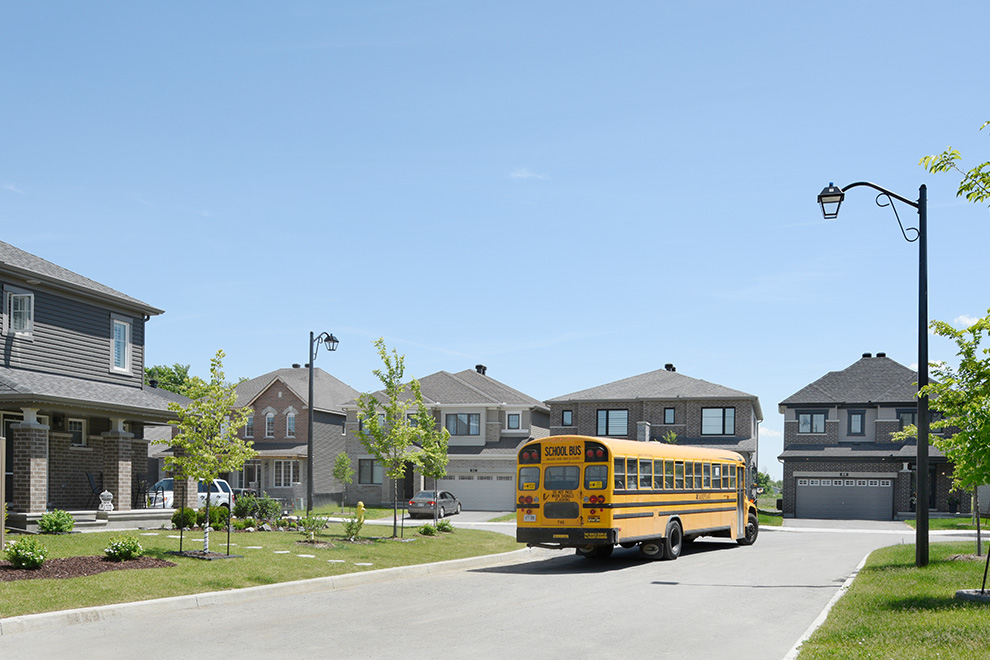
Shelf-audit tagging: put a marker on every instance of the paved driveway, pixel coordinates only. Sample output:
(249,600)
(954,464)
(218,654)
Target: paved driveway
(718,599)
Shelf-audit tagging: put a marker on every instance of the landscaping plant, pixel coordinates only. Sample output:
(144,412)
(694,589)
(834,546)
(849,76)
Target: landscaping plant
(26,552)
(123,549)
(184,517)
(311,525)
(56,522)
(445,526)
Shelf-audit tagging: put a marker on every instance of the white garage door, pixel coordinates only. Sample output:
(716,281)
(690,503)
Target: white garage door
(845,499)
(482,492)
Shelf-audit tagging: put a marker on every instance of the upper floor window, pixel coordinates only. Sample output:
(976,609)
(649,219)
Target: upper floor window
(121,345)
(613,422)
(906,418)
(249,427)
(369,471)
(811,422)
(270,425)
(464,424)
(857,422)
(20,311)
(668,415)
(718,421)
(513,421)
(567,418)
(290,424)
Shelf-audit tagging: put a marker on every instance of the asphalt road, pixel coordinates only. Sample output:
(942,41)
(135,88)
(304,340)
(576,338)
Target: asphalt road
(718,598)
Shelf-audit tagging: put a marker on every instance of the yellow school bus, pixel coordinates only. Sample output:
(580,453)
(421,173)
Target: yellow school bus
(592,494)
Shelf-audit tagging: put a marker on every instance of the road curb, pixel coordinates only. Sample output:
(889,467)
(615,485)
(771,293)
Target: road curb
(47,620)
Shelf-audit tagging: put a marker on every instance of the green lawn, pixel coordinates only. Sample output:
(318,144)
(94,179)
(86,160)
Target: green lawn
(276,560)
(960,522)
(894,610)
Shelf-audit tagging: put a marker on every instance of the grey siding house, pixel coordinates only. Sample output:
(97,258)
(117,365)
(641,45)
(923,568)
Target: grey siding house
(73,402)
(650,406)
(279,428)
(839,458)
(487,420)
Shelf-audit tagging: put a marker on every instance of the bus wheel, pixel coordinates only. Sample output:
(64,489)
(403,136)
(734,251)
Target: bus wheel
(752,531)
(594,551)
(673,542)
(651,549)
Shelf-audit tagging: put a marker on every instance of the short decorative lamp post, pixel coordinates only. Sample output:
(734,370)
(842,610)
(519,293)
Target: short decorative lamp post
(830,199)
(328,340)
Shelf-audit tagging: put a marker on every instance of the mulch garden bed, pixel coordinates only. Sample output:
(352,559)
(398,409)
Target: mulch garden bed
(70,567)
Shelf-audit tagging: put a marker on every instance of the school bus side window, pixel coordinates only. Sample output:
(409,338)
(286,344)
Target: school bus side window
(708,476)
(620,474)
(596,477)
(529,478)
(668,475)
(657,475)
(645,474)
(679,475)
(732,476)
(631,479)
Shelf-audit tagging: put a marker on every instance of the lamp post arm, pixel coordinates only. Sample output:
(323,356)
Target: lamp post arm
(881,189)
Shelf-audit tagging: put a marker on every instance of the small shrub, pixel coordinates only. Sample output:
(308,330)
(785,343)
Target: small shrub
(56,522)
(352,527)
(184,517)
(268,509)
(26,552)
(445,526)
(311,525)
(218,517)
(428,530)
(245,506)
(123,549)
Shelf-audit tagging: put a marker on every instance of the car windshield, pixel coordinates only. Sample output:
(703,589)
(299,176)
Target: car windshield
(164,484)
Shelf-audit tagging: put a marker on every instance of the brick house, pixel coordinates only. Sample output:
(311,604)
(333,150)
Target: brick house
(73,402)
(649,406)
(839,459)
(487,420)
(278,427)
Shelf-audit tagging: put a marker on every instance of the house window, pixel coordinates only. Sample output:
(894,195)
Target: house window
(613,422)
(464,424)
(249,427)
(512,421)
(121,345)
(20,311)
(270,425)
(77,427)
(567,418)
(857,422)
(290,425)
(718,421)
(369,471)
(364,428)
(286,474)
(906,418)
(668,415)
(811,422)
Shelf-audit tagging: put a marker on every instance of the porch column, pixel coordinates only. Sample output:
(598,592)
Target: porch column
(117,464)
(30,464)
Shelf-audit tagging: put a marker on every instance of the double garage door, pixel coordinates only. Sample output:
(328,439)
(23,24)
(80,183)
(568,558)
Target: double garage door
(483,492)
(845,498)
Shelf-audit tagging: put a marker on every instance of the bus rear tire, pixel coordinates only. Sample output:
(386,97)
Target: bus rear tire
(673,542)
(651,549)
(594,551)
(752,531)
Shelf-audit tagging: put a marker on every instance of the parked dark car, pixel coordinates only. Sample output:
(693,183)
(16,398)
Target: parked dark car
(426,502)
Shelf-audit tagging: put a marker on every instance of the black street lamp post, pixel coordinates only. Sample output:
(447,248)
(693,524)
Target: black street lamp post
(328,340)
(830,199)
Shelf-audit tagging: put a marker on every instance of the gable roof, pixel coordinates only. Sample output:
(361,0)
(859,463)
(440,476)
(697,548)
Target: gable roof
(659,384)
(329,394)
(24,264)
(869,380)
(467,387)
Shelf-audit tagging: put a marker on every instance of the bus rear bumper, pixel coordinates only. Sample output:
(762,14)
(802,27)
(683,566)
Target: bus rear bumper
(566,537)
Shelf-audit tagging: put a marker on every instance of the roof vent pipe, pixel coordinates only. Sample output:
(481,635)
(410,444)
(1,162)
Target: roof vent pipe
(295,365)
(881,355)
(867,355)
(481,369)
(670,367)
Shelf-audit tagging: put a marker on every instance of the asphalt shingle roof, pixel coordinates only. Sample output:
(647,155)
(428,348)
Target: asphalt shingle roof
(329,394)
(26,264)
(868,380)
(467,387)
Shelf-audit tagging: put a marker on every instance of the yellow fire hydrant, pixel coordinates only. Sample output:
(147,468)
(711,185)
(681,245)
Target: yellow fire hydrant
(360,511)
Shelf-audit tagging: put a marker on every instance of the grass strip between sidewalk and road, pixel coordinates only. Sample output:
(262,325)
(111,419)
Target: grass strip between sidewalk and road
(895,610)
(267,558)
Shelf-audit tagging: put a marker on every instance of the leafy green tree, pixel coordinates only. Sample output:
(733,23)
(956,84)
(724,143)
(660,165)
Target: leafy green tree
(975,184)
(343,472)
(175,379)
(763,481)
(206,444)
(385,429)
(432,440)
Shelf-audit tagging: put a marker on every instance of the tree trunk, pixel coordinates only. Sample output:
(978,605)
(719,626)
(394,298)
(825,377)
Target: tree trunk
(976,512)
(206,523)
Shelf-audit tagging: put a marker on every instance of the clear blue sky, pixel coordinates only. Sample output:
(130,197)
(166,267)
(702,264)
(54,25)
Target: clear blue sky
(567,192)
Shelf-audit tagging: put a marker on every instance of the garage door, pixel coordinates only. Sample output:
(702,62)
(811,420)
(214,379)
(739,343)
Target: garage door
(845,499)
(482,492)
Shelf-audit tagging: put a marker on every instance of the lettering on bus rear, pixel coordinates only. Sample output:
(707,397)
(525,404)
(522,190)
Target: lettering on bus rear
(552,453)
